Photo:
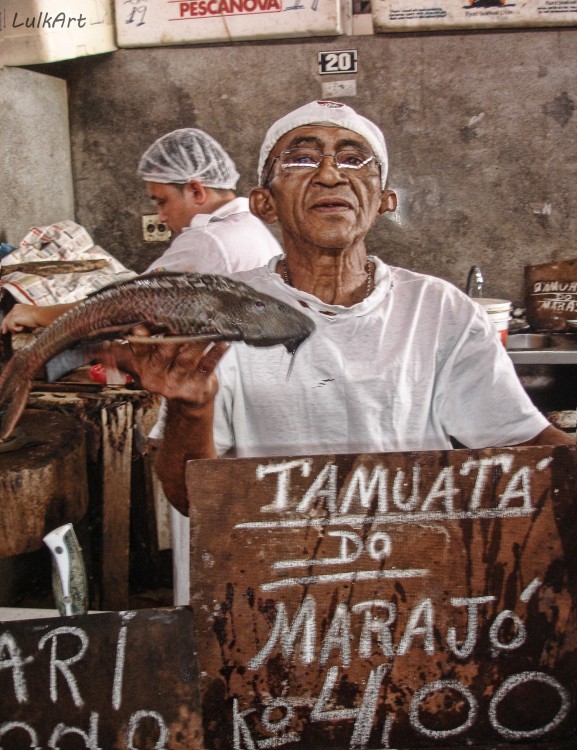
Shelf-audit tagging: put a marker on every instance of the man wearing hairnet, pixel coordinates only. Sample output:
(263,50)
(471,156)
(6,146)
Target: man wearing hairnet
(192,181)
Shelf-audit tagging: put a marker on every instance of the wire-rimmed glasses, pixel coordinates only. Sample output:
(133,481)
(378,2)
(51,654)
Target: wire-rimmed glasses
(306,158)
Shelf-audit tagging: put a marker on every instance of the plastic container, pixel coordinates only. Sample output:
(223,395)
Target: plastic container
(499,311)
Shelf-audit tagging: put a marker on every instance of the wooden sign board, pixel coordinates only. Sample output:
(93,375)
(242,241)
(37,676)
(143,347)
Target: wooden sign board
(119,680)
(166,22)
(437,15)
(386,600)
(551,295)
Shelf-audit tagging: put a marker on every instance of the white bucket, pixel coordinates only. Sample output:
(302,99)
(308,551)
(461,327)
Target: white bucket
(499,311)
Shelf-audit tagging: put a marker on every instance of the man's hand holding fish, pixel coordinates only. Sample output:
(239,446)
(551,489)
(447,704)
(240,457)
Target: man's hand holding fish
(180,307)
(183,372)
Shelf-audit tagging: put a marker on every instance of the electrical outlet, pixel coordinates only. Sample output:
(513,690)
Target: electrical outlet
(154,230)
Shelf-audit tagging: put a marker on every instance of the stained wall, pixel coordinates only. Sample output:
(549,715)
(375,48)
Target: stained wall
(35,163)
(481,129)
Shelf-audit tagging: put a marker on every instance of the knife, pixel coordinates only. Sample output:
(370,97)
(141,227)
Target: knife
(51,267)
(69,583)
(70,359)
(84,354)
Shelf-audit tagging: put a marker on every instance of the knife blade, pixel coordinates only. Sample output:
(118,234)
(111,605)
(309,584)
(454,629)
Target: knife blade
(87,353)
(51,267)
(71,359)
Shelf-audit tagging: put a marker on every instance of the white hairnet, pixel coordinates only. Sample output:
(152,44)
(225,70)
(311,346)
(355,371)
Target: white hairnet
(188,154)
(327,113)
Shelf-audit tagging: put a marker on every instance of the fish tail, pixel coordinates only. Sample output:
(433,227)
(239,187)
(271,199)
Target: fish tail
(14,389)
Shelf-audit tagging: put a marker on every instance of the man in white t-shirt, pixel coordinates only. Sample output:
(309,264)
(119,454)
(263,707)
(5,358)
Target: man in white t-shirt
(192,181)
(398,360)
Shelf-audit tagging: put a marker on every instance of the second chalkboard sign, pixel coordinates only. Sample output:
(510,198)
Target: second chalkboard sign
(551,295)
(110,681)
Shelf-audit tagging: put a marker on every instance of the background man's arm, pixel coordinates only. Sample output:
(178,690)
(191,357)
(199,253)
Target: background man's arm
(28,317)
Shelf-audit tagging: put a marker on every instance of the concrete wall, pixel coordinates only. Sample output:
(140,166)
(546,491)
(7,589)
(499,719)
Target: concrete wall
(36,175)
(481,130)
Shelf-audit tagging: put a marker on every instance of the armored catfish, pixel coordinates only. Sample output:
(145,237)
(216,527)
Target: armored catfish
(199,306)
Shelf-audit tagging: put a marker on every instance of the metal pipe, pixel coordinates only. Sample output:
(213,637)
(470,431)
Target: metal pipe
(475,280)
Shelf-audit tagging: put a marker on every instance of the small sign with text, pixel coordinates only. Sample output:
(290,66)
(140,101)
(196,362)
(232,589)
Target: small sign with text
(339,61)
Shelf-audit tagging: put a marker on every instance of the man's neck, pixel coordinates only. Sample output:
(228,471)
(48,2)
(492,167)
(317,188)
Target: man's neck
(337,278)
(217,199)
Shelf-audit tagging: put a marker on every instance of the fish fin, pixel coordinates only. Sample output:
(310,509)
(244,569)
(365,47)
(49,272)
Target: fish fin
(14,388)
(291,365)
(292,348)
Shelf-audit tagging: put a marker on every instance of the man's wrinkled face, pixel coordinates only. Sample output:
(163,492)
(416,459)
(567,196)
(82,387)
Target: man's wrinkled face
(325,206)
(175,204)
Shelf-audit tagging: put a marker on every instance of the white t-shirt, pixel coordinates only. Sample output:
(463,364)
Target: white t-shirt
(413,364)
(228,240)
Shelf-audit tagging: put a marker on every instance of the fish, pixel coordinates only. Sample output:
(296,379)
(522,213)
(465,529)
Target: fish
(182,306)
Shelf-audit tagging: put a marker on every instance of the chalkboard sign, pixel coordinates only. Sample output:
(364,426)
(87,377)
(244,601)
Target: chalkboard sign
(119,680)
(551,295)
(386,600)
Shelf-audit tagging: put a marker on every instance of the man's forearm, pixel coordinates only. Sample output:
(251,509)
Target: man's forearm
(24,317)
(187,435)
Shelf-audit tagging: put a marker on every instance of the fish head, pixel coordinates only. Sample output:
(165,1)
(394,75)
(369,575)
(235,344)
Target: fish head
(263,320)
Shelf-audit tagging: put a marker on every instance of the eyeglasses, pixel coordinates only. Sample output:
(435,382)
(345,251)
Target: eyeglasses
(305,158)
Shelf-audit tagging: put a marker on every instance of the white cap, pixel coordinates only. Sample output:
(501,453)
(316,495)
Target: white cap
(188,154)
(327,113)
